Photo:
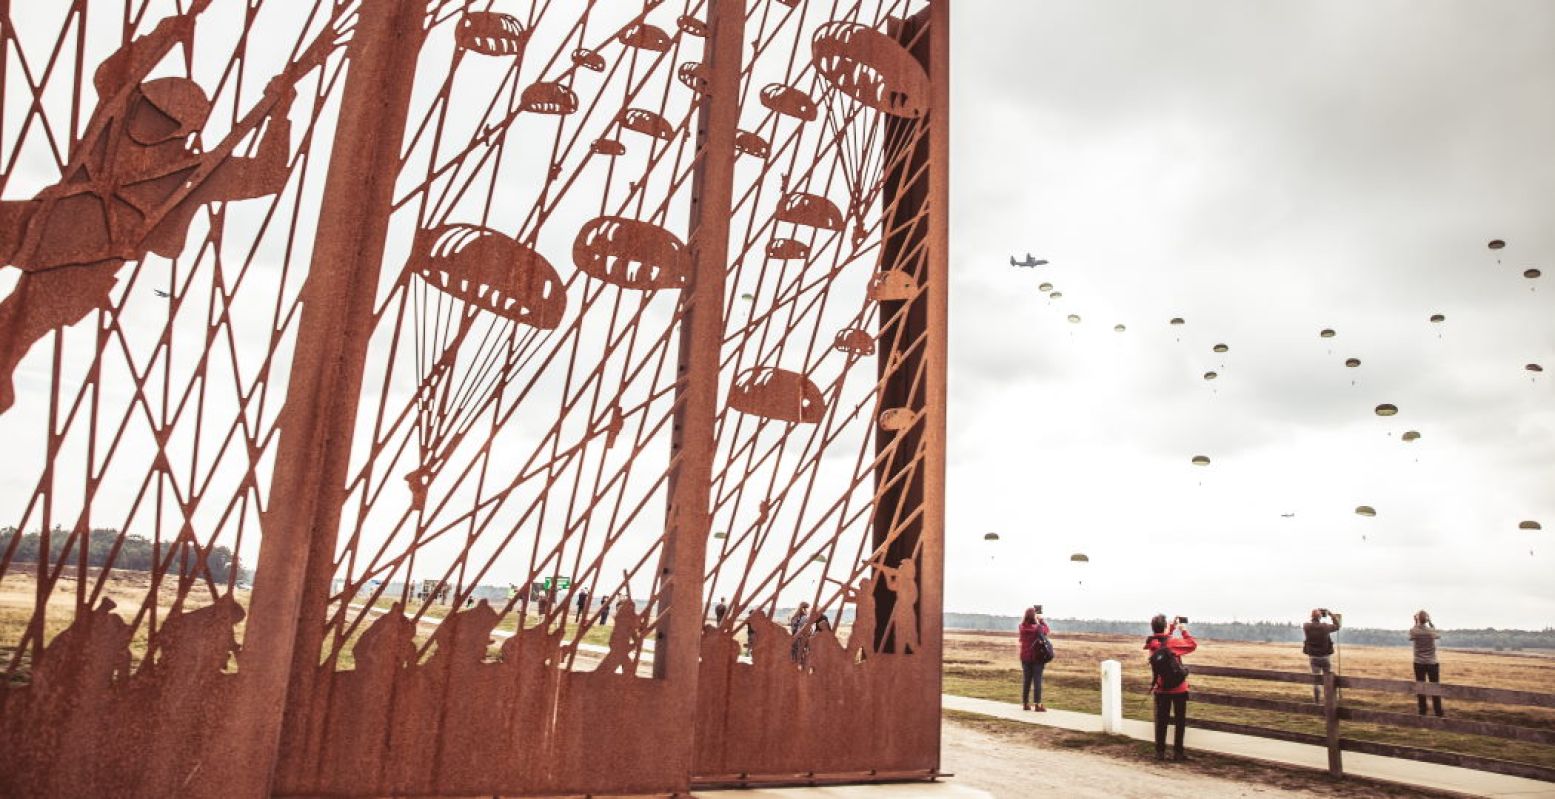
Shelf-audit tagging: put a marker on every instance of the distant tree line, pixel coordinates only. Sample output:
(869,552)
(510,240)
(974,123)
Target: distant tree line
(136,553)
(1273,632)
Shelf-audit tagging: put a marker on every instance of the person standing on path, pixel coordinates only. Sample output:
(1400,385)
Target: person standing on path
(719,611)
(1319,645)
(1034,656)
(1169,681)
(1423,635)
(583,605)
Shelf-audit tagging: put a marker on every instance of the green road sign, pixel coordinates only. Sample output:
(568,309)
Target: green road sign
(559,583)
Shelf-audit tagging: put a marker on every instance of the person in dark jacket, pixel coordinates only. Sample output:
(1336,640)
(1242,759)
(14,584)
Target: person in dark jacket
(1033,628)
(1171,701)
(1423,635)
(1319,645)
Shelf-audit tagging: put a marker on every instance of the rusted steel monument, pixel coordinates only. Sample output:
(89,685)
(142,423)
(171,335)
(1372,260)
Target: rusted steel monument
(447,397)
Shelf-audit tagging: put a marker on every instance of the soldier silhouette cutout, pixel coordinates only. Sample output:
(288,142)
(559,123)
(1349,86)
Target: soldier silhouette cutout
(624,638)
(132,186)
(861,639)
(903,580)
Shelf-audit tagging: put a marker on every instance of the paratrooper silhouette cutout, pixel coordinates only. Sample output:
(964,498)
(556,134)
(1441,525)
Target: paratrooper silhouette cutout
(132,186)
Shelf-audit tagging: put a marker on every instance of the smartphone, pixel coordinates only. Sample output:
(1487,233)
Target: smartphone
(1039,610)
(1182,619)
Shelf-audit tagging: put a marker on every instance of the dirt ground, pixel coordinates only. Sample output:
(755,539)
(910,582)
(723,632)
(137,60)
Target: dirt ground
(1015,761)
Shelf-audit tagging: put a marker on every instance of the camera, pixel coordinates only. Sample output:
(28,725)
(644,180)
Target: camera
(1182,620)
(1039,609)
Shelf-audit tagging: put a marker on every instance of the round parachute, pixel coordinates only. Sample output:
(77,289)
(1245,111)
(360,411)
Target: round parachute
(1056,295)
(1530,525)
(1533,367)
(1365,510)
(1531,273)
(720,535)
(1118,328)
(1176,320)
(990,536)
(1386,409)
(1221,348)
(1438,318)
(1412,435)
(1210,375)
(1496,244)
(1352,362)
(1079,557)
(1074,319)
(1045,287)
(1200,460)
(1326,332)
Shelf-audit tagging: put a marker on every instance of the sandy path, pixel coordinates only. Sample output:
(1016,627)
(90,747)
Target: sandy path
(1011,769)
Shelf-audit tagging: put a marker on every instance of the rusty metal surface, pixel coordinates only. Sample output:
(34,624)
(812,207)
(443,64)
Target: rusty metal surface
(493,343)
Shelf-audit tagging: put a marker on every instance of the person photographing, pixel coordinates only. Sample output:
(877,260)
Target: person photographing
(1319,645)
(1169,680)
(1427,668)
(1035,652)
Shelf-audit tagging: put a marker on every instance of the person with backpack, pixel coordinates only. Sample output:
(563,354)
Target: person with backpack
(1319,646)
(1035,652)
(1169,680)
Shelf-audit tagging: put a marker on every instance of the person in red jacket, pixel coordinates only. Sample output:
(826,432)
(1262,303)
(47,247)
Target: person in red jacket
(1169,681)
(1033,659)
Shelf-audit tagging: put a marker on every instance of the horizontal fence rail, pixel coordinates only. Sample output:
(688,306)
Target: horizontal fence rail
(1332,710)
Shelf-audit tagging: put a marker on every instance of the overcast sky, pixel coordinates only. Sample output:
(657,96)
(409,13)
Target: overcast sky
(1264,171)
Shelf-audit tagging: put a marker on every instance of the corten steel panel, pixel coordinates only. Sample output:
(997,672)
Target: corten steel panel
(430,310)
(832,446)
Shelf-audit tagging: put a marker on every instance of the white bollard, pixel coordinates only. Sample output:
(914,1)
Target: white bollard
(1112,697)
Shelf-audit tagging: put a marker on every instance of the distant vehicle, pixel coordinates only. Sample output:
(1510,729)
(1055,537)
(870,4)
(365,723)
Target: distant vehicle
(1029,263)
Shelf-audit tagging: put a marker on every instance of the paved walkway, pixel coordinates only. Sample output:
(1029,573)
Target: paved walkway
(1404,772)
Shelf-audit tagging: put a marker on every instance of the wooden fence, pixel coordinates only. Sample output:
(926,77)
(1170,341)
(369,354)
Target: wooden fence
(1333,711)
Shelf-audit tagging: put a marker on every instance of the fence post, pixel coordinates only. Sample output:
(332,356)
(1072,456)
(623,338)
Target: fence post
(1331,716)
(1112,697)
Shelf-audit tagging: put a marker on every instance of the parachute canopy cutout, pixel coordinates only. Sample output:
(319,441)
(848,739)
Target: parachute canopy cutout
(1221,348)
(1079,557)
(1045,287)
(1176,320)
(490,271)
(1365,510)
(1074,319)
(1496,244)
(1327,332)
(990,536)
(777,394)
(1210,375)
(631,254)
(1352,362)
(490,33)
(897,419)
(1386,409)
(1530,525)
(747,143)
(872,68)
(1412,435)
(1438,318)
(1118,328)
(1200,460)
(1531,273)
(788,101)
(892,285)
